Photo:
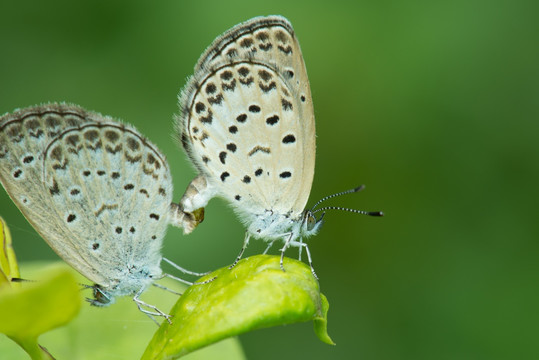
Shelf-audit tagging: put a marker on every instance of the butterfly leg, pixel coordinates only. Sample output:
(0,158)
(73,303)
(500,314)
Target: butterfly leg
(166,289)
(188,282)
(185,271)
(269,247)
(156,312)
(283,249)
(301,244)
(245,243)
(300,248)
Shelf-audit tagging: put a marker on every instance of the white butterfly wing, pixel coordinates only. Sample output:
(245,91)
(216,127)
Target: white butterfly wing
(247,119)
(95,190)
(111,191)
(24,135)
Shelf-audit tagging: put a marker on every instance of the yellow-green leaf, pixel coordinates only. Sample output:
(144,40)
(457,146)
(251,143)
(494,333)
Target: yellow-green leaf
(37,307)
(254,294)
(8,262)
(40,305)
(118,331)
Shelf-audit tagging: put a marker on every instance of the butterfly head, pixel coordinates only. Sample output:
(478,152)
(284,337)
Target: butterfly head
(101,296)
(310,224)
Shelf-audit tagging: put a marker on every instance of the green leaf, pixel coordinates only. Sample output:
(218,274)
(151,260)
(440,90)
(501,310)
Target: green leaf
(255,294)
(119,331)
(37,307)
(8,262)
(321,322)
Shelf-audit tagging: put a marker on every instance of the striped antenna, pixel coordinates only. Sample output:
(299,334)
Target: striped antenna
(354,190)
(370,213)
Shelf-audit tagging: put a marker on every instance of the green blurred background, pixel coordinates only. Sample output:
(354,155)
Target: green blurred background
(432,105)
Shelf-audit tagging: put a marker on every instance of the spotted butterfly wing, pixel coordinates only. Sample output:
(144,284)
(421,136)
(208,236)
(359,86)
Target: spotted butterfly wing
(24,135)
(247,120)
(95,189)
(120,195)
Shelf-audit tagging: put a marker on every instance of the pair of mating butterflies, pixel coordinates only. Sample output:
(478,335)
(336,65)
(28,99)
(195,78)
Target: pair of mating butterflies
(100,194)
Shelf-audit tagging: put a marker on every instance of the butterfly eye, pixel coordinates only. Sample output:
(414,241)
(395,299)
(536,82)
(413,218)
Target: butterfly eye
(311,221)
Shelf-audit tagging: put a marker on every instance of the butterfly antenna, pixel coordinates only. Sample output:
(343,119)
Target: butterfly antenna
(370,213)
(354,190)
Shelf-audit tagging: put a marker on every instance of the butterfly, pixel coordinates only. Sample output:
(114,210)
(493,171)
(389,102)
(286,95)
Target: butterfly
(247,124)
(97,191)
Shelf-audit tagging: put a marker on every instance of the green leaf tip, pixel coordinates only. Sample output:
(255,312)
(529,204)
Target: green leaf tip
(321,322)
(255,294)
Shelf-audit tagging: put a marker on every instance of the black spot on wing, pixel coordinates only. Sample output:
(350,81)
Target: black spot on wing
(216,100)
(267,88)
(246,43)
(208,118)
(54,190)
(132,143)
(211,88)
(285,49)
(28,159)
(200,107)
(285,174)
(265,46)
(243,71)
(262,36)
(289,139)
(254,108)
(272,120)
(222,157)
(259,148)
(232,147)
(232,53)
(287,105)
(226,75)
(265,75)
(229,86)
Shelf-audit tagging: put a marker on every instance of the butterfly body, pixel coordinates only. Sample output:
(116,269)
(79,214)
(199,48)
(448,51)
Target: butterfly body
(247,124)
(271,226)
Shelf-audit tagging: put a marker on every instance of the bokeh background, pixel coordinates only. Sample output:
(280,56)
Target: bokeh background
(432,105)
